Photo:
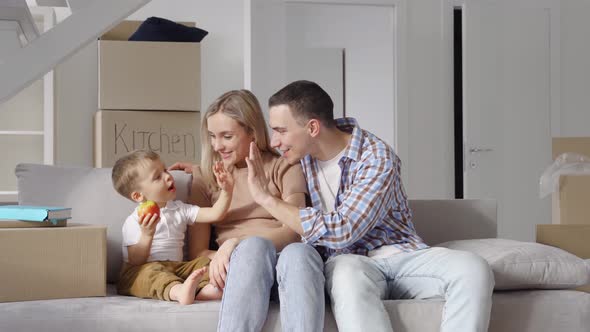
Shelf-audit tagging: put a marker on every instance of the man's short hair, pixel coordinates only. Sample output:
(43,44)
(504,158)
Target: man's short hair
(307,100)
(125,172)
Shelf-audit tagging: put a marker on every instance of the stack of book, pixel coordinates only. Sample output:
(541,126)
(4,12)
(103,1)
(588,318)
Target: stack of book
(16,216)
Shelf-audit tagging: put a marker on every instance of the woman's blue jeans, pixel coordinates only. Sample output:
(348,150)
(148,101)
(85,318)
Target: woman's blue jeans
(299,272)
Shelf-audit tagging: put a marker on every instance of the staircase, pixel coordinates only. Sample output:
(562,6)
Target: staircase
(26,55)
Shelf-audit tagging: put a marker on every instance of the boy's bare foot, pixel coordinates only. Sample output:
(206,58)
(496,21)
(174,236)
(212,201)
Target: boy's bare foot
(208,293)
(185,293)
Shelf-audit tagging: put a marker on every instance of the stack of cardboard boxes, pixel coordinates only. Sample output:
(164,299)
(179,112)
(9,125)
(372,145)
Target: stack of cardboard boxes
(570,228)
(149,97)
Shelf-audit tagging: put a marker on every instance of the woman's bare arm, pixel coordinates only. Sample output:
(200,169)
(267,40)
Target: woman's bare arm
(283,236)
(198,241)
(199,235)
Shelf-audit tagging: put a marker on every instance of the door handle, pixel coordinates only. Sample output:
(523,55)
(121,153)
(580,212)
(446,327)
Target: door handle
(477,150)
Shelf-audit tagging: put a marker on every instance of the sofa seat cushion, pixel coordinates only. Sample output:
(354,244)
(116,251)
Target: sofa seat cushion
(525,311)
(125,313)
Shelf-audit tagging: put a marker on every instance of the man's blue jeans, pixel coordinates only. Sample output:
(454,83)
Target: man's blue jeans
(299,272)
(358,284)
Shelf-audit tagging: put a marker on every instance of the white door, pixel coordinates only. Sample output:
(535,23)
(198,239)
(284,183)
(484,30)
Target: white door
(511,89)
(325,66)
(364,32)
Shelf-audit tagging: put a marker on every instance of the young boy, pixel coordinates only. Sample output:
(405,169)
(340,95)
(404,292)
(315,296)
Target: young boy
(153,244)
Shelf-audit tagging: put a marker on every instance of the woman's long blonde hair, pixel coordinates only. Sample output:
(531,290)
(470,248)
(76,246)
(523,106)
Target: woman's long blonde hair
(242,106)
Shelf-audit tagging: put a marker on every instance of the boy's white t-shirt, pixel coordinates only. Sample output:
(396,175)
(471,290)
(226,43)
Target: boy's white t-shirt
(168,241)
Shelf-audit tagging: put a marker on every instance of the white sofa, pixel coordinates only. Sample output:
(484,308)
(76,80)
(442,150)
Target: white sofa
(90,195)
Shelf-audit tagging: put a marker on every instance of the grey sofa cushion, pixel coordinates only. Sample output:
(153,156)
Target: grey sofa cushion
(527,265)
(130,314)
(523,311)
(90,194)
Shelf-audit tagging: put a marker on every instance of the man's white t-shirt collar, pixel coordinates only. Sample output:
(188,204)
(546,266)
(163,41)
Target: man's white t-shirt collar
(329,174)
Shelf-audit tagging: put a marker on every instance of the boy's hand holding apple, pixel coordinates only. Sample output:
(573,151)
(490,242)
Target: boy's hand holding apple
(149,216)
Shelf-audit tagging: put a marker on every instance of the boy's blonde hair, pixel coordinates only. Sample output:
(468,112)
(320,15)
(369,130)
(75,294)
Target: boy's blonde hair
(242,106)
(125,171)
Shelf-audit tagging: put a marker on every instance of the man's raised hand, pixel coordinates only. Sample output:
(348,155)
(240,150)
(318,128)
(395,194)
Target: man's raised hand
(257,179)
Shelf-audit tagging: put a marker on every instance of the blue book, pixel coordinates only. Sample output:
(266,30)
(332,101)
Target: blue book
(10,223)
(35,213)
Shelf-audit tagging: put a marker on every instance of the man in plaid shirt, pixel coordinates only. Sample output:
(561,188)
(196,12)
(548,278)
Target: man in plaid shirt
(360,220)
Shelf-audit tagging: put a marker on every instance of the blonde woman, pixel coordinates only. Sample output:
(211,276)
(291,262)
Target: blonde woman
(254,248)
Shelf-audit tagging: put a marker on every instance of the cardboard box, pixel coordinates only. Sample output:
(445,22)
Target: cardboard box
(570,204)
(174,135)
(136,75)
(580,145)
(571,238)
(52,262)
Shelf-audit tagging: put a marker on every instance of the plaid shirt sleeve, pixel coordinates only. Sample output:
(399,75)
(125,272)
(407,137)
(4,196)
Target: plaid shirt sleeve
(363,204)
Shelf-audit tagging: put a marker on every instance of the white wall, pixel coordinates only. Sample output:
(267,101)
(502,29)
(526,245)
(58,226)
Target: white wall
(222,69)
(575,68)
(430,161)
(430,154)
(76,101)
(426,144)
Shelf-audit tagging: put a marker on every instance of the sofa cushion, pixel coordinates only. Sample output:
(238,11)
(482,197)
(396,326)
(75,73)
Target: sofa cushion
(130,314)
(523,311)
(90,194)
(527,265)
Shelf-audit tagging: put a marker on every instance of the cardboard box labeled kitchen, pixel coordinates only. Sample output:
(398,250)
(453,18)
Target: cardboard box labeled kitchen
(52,262)
(571,238)
(570,203)
(173,135)
(136,75)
